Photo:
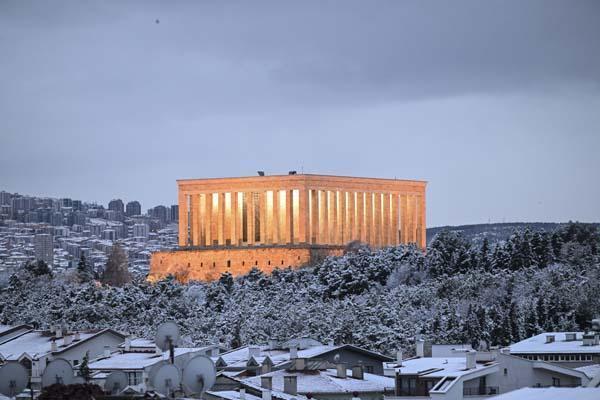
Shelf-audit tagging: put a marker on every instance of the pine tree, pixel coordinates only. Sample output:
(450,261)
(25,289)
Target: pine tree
(116,272)
(84,369)
(84,272)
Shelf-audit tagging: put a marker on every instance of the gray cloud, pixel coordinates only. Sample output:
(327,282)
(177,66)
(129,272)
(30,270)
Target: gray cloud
(98,100)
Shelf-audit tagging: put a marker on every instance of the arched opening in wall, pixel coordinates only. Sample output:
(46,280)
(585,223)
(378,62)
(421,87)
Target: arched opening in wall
(202,264)
(281,262)
(161,262)
(228,263)
(255,262)
(243,263)
(298,258)
(214,264)
(269,262)
(189,265)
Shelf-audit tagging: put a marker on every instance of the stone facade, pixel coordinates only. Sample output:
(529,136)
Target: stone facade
(230,222)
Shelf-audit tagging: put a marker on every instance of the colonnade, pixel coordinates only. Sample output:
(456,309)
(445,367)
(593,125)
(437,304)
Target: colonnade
(299,216)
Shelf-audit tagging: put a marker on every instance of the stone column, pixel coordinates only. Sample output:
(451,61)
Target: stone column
(233,219)
(387,220)
(324,217)
(394,239)
(221,219)
(423,223)
(377,225)
(249,200)
(314,216)
(183,218)
(303,216)
(263,217)
(289,217)
(195,217)
(333,217)
(343,222)
(369,237)
(360,217)
(208,216)
(352,220)
(276,217)
(403,219)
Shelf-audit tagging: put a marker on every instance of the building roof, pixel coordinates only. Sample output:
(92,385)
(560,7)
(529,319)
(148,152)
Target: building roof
(240,356)
(38,343)
(537,345)
(590,370)
(437,367)
(326,381)
(232,395)
(299,177)
(129,361)
(552,393)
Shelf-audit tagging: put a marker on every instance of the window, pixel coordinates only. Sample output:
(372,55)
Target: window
(369,369)
(243,263)
(269,262)
(75,362)
(505,371)
(281,262)
(555,382)
(255,262)
(202,264)
(228,263)
(134,378)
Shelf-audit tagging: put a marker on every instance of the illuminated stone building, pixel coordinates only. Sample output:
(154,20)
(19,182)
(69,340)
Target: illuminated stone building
(234,224)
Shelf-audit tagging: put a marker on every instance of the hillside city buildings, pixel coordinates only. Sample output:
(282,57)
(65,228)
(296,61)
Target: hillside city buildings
(60,231)
(235,224)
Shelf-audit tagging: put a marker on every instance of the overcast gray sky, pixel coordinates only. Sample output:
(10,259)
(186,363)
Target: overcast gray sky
(495,103)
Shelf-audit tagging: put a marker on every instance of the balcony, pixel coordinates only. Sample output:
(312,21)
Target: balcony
(481,391)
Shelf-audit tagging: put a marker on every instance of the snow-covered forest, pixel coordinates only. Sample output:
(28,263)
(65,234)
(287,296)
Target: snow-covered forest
(456,292)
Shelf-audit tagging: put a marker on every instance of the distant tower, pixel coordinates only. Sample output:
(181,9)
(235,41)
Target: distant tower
(116,205)
(133,208)
(44,247)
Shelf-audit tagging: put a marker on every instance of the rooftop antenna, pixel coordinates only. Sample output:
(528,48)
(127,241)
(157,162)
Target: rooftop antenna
(115,382)
(13,379)
(199,375)
(166,379)
(167,336)
(58,371)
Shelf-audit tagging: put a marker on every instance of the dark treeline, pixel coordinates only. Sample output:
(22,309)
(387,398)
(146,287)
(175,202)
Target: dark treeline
(458,291)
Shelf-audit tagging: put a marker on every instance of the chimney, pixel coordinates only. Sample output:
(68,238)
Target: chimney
(53,346)
(266,394)
(293,352)
(242,394)
(77,336)
(341,370)
(266,382)
(127,344)
(549,338)
(300,364)
(399,358)
(471,356)
(214,352)
(67,340)
(357,372)
(106,351)
(420,348)
(290,384)
(58,333)
(272,344)
(331,343)
(253,351)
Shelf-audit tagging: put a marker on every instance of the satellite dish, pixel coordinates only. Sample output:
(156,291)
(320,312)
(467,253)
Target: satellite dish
(13,379)
(58,371)
(199,375)
(167,334)
(115,382)
(166,379)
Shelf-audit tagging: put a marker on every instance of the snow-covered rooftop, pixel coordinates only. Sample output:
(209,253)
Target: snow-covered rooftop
(232,395)
(36,344)
(590,370)
(552,393)
(537,344)
(326,381)
(437,367)
(136,360)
